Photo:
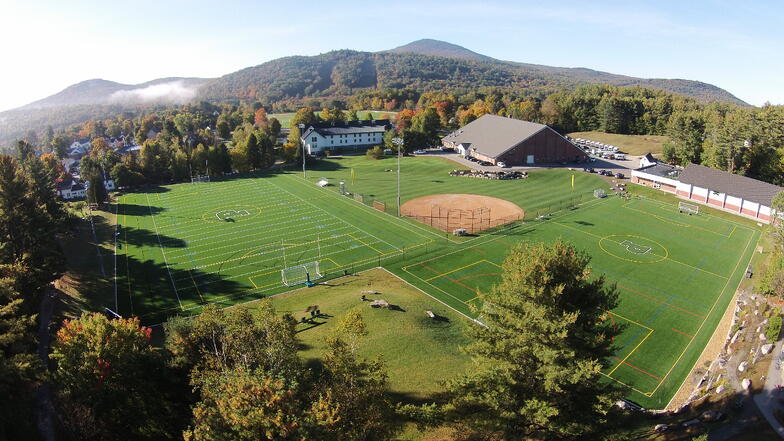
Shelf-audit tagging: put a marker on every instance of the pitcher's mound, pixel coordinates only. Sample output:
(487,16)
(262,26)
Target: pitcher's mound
(471,212)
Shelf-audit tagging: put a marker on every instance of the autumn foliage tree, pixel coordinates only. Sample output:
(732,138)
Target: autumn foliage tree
(110,381)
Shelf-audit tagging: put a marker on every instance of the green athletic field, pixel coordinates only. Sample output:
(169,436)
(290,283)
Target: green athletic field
(186,245)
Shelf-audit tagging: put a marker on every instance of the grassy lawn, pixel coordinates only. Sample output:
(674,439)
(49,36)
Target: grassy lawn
(285,118)
(419,353)
(629,144)
(184,246)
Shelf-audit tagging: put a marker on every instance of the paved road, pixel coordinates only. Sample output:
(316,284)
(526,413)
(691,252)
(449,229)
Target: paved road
(613,166)
(768,399)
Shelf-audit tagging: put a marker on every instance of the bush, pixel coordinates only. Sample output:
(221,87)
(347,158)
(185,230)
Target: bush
(773,329)
(375,153)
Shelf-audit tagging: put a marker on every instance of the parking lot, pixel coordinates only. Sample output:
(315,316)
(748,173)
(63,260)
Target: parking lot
(613,166)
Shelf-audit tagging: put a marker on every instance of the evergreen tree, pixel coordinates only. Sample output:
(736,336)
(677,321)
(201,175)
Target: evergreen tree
(539,356)
(96,190)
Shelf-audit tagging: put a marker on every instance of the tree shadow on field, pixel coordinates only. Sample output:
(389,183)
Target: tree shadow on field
(584,223)
(150,293)
(142,237)
(124,209)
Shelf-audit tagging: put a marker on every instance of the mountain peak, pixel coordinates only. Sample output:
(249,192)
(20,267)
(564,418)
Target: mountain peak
(438,48)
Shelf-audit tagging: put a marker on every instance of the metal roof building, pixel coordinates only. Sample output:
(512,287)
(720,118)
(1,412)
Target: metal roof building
(495,139)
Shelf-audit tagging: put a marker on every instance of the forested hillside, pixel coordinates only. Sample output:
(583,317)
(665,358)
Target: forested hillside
(288,83)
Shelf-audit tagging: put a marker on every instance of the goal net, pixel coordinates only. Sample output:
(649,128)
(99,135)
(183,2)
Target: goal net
(299,274)
(684,207)
(199,179)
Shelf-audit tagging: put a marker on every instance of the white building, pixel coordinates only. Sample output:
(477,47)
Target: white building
(341,136)
(72,189)
(647,160)
(716,188)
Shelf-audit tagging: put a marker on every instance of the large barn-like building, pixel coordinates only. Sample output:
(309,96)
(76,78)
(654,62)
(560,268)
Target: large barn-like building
(497,139)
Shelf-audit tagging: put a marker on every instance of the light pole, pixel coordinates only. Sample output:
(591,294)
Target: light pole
(302,127)
(399,143)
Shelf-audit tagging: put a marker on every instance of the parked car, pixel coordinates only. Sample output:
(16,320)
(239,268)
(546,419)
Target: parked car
(589,170)
(619,175)
(502,164)
(484,163)
(605,173)
(419,152)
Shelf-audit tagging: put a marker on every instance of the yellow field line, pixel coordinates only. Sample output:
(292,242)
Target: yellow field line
(190,273)
(647,394)
(632,352)
(366,244)
(630,320)
(654,254)
(706,317)
(676,223)
(455,270)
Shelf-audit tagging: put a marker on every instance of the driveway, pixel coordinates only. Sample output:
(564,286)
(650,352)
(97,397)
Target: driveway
(613,166)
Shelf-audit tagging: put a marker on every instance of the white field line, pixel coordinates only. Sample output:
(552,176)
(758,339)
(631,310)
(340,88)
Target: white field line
(259,245)
(238,242)
(116,226)
(208,234)
(328,213)
(357,245)
(162,252)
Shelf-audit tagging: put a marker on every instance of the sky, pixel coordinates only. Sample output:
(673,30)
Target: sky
(49,45)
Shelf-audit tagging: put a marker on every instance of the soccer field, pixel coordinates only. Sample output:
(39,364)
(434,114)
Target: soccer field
(675,274)
(186,245)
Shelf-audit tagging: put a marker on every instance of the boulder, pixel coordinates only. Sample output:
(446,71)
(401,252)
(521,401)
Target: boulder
(721,389)
(742,367)
(711,415)
(691,422)
(763,337)
(661,428)
(766,348)
(745,384)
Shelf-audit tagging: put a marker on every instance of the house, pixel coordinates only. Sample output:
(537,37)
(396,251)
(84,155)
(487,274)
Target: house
(716,188)
(79,149)
(71,189)
(648,160)
(349,135)
(496,139)
(75,189)
(128,150)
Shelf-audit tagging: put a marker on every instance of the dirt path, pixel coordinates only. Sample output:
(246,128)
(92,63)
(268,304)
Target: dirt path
(44,406)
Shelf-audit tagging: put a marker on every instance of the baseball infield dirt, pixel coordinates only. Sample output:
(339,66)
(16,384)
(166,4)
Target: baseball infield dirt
(471,212)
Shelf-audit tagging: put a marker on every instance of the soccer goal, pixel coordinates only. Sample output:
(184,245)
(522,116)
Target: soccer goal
(299,274)
(199,179)
(690,209)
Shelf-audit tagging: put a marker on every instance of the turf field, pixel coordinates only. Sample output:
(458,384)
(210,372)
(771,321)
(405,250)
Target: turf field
(286,117)
(186,245)
(675,274)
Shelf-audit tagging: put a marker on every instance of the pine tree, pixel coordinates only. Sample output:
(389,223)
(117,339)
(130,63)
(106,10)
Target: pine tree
(538,359)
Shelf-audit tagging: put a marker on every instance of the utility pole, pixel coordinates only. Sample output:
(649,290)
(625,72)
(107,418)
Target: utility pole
(399,143)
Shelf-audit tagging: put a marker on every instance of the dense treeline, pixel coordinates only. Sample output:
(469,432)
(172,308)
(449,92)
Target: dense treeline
(204,138)
(30,222)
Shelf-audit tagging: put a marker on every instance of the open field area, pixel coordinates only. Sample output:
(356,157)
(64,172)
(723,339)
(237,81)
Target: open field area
(420,353)
(285,118)
(186,245)
(629,144)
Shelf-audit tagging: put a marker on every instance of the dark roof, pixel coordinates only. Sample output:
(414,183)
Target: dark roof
(77,187)
(128,148)
(730,183)
(662,170)
(347,127)
(493,135)
(65,185)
